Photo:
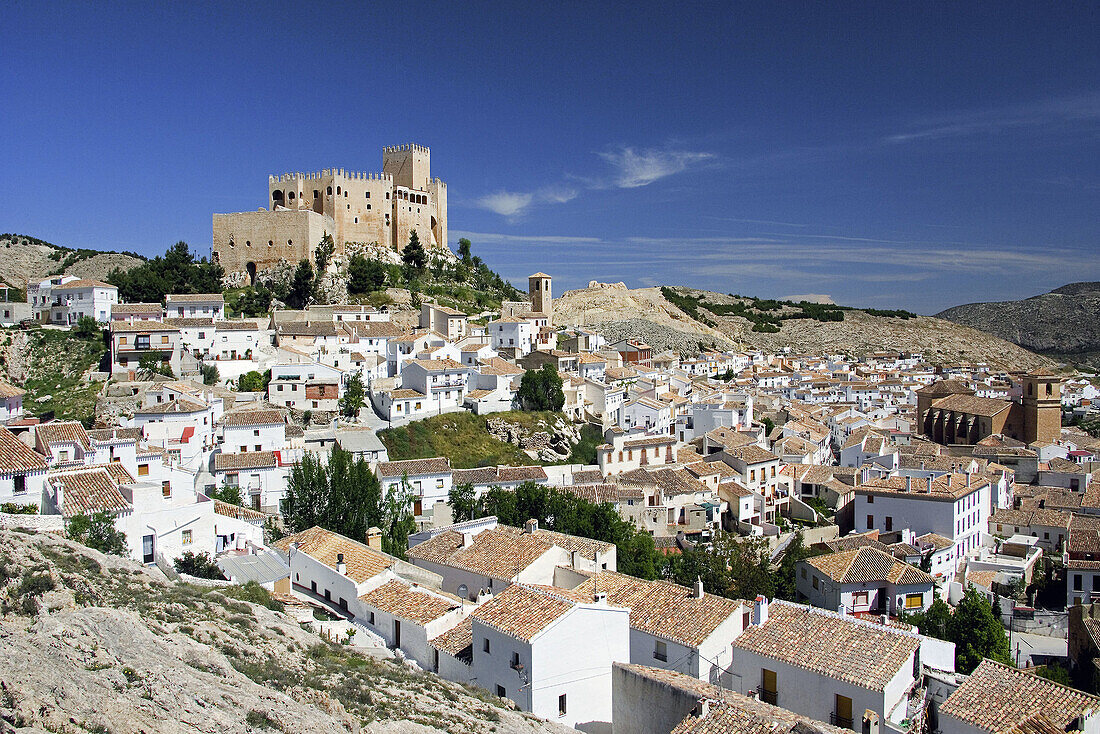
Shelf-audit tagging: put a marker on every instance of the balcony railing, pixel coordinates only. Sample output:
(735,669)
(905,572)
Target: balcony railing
(767,696)
(843,721)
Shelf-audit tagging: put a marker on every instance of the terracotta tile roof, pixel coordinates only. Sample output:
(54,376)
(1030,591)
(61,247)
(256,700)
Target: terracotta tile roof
(971,404)
(946,387)
(868,565)
(457,640)
(859,653)
(88,491)
(115,435)
(398,598)
(238,512)
(324,545)
(522,611)
(83,283)
(521,473)
(62,432)
(117,472)
(248,460)
(946,487)
(178,406)
(751,454)
(125,308)
(8,390)
(307,328)
(587,476)
(195,297)
(414,467)
(16,456)
(663,609)
(192,322)
(125,327)
(495,552)
(246,418)
(999,699)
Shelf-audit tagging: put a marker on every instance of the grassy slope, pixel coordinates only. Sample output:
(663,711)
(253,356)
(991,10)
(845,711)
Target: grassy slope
(58,361)
(462,438)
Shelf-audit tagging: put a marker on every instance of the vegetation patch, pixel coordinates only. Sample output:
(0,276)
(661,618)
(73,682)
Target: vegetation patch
(57,362)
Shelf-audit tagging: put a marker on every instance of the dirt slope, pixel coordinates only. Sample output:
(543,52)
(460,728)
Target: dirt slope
(25,258)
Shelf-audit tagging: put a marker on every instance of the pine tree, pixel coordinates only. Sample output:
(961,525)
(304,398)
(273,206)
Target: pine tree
(414,257)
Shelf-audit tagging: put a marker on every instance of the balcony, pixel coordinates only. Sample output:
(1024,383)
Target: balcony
(767,696)
(843,721)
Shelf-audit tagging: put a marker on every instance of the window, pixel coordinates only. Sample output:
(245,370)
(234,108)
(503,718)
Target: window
(660,652)
(164,339)
(1077,582)
(815,582)
(371,618)
(143,470)
(914,601)
(256,432)
(485,647)
(515,659)
(259,447)
(186,537)
(870,499)
(20,483)
(166,489)
(501,692)
(561,705)
(889,523)
(121,340)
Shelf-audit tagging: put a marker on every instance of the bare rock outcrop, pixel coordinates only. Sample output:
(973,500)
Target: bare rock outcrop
(547,441)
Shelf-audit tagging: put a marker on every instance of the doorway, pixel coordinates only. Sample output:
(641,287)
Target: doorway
(147,549)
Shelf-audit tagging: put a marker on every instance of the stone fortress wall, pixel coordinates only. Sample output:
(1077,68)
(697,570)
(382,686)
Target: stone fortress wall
(352,206)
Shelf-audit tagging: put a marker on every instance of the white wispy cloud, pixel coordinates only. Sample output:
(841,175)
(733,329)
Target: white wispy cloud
(509,204)
(557,194)
(1058,111)
(634,168)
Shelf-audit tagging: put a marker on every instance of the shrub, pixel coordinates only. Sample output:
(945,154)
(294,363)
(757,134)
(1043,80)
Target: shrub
(200,565)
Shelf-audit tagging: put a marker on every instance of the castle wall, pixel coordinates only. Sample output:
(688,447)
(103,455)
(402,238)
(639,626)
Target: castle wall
(264,237)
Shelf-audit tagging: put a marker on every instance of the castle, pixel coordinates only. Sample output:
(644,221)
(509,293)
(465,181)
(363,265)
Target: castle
(383,208)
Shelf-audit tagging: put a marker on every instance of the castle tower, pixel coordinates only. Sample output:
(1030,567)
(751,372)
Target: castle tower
(542,300)
(409,164)
(1042,406)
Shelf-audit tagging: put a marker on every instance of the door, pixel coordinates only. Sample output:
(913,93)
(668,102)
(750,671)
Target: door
(147,554)
(843,711)
(397,633)
(769,691)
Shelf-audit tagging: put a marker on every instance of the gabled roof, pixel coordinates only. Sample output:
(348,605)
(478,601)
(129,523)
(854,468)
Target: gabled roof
(62,432)
(402,600)
(850,650)
(8,390)
(16,456)
(523,611)
(248,418)
(663,609)
(88,491)
(414,467)
(868,565)
(999,699)
(324,546)
(248,460)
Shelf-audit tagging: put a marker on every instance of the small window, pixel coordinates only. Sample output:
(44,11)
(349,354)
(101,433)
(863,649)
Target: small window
(914,601)
(660,651)
(166,489)
(501,692)
(870,499)
(143,470)
(485,646)
(20,483)
(561,705)
(186,537)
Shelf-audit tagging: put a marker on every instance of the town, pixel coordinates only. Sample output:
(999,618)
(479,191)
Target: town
(691,541)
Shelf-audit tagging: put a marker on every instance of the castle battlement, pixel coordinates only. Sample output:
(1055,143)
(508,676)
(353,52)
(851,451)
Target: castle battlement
(406,147)
(330,173)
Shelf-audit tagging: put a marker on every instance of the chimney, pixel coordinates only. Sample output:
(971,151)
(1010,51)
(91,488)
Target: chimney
(531,526)
(909,484)
(374,539)
(341,567)
(760,610)
(928,485)
(698,590)
(885,620)
(600,597)
(467,540)
(968,480)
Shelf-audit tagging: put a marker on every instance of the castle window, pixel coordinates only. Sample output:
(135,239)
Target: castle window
(248,243)
(290,242)
(368,207)
(357,220)
(349,207)
(345,194)
(387,194)
(337,190)
(367,196)
(1050,389)
(316,194)
(270,243)
(231,243)
(291,195)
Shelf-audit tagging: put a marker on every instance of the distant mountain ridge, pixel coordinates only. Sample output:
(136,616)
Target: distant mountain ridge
(1064,323)
(24,258)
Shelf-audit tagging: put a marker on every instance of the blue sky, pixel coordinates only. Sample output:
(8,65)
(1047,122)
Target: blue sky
(913,155)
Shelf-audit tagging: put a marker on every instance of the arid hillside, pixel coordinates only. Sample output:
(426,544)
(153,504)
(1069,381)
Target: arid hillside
(24,258)
(95,643)
(749,323)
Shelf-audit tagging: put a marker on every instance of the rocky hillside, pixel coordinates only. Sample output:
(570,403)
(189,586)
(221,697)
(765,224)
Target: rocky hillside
(646,313)
(1064,323)
(94,643)
(27,258)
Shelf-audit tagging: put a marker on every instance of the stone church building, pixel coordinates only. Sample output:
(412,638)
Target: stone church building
(949,413)
(383,208)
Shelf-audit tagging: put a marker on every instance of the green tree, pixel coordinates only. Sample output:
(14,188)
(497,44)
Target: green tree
(463,501)
(541,389)
(302,286)
(210,375)
(199,565)
(343,496)
(253,381)
(365,276)
(251,302)
(414,257)
(177,271)
(785,575)
(87,328)
(150,364)
(97,531)
(731,566)
(464,251)
(230,493)
(397,519)
(977,633)
(934,621)
(323,253)
(355,396)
